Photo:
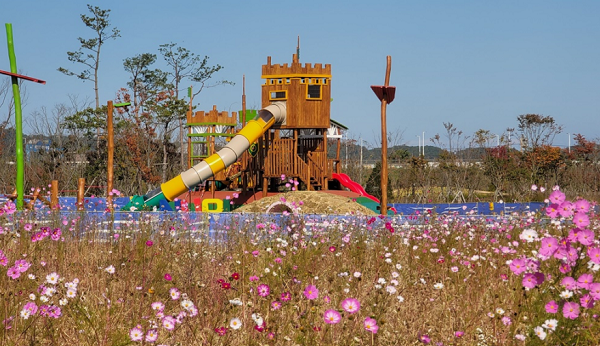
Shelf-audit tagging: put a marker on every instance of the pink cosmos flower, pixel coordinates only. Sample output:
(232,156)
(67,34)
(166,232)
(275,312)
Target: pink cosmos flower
(529,280)
(586,237)
(594,289)
(507,321)
(275,305)
(549,246)
(253,278)
(552,211)
(31,307)
(371,325)
(571,310)
(168,277)
(569,283)
(557,197)
(263,290)
(13,273)
(425,339)
(586,301)
(581,220)
(286,296)
(169,323)
(551,307)
(136,334)
(332,317)
(566,209)
(582,206)
(311,292)
(458,334)
(593,253)
(518,266)
(151,335)
(585,280)
(351,305)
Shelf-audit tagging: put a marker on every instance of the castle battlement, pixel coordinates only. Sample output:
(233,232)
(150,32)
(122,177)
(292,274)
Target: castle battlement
(296,69)
(212,117)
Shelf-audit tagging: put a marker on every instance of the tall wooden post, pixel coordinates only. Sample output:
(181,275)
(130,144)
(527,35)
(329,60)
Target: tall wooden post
(80,194)
(111,153)
(386,95)
(54,195)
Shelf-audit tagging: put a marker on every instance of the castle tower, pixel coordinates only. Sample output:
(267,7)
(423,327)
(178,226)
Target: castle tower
(306,90)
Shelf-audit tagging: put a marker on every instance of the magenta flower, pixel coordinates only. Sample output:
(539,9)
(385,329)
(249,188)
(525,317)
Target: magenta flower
(586,301)
(371,325)
(13,273)
(518,266)
(551,307)
(557,197)
(31,307)
(571,310)
(263,290)
(351,305)
(585,280)
(552,211)
(582,206)
(22,265)
(529,280)
(168,277)
(581,220)
(458,334)
(569,283)
(586,237)
(149,243)
(425,339)
(286,296)
(221,331)
(311,292)
(332,317)
(594,254)
(566,209)
(594,289)
(549,246)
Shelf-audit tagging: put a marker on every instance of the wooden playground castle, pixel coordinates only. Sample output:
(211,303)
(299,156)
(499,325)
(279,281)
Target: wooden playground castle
(296,148)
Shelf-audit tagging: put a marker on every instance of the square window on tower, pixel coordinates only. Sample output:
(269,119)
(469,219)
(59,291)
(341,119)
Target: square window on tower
(314,92)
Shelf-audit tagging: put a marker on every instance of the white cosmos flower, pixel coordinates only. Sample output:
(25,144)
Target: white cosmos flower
(539,331)
(438,286)
(235,323)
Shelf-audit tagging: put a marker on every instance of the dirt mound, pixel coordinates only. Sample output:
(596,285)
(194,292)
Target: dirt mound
(307,202)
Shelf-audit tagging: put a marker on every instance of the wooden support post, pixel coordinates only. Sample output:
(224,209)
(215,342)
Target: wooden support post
(386,95)
(34,197)
(54,195)
(80,194)
(111,154)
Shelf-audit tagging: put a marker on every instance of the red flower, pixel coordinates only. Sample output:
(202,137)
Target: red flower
(221,331)
(226,285)
(235,276)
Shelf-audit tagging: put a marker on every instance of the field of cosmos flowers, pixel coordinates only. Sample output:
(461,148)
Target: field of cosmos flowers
(518,279)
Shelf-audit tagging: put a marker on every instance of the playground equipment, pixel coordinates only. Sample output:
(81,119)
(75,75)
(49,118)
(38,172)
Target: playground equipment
(287,137)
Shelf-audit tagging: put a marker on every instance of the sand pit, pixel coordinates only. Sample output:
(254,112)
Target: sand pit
(313,202)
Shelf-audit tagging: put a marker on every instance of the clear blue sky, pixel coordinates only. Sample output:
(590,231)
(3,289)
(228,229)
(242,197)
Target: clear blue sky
(476,64)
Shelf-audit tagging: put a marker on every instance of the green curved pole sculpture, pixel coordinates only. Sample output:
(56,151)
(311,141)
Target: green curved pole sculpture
(18,119)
